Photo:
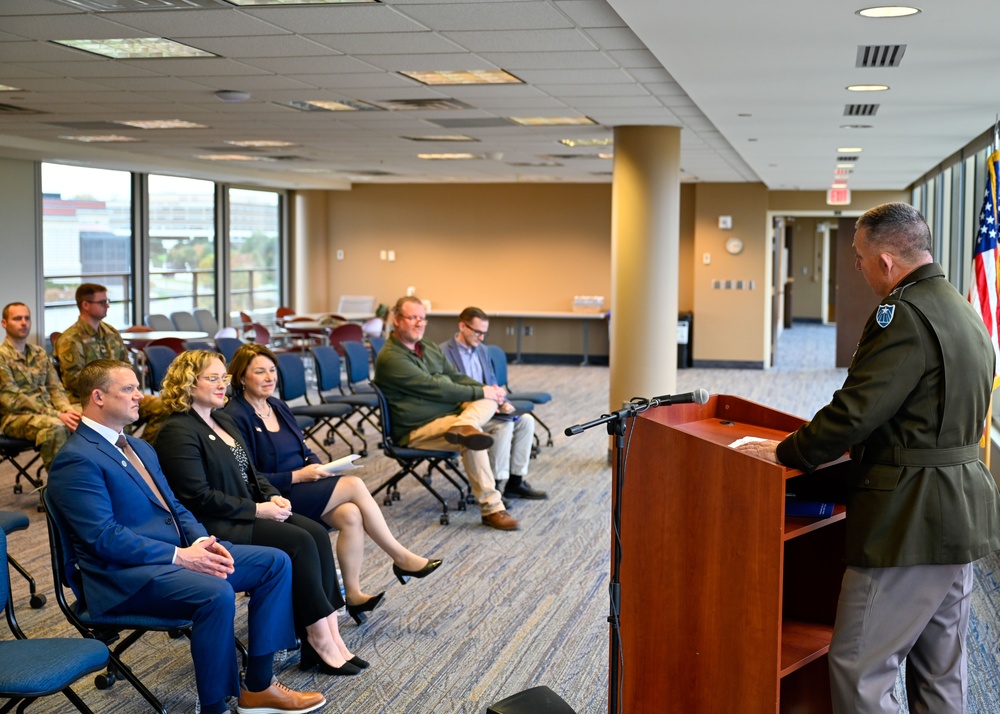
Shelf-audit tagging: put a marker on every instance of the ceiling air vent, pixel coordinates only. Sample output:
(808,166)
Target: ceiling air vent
(424,104)
(860,110)
(20,111)
(847,158)
(880,55)
(133,5)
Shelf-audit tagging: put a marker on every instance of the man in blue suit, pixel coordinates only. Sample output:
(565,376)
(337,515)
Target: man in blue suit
(511,450)
(141,552)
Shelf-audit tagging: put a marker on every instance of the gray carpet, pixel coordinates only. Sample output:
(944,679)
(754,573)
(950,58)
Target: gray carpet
(507,611)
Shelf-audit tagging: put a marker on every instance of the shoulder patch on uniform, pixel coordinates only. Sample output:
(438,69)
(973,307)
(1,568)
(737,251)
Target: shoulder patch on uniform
(884,315)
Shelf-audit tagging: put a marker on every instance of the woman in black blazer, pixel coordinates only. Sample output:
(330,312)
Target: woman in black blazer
(279,451)
(205,461)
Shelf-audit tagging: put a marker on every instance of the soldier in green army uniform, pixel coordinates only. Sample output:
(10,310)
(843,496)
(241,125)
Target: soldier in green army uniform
(89,338)
(32,401)
(921,505)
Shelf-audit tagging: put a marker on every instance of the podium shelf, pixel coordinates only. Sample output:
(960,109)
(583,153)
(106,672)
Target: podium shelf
(796,525)
(801,643)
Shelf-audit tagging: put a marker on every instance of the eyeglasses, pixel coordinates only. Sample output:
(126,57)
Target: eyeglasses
(215,379)
(105,303)
(481,334)
(416,319)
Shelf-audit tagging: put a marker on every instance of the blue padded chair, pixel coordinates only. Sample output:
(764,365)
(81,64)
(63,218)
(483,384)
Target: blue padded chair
(35,668)
(227,346)
(158,360)
(409,459)
(106,628)
(10,451)
(358,375)
(326,362)
(292,386)
(376,344)
(206,321)
(498,358)
(160,323)
(11,522)
(185,321)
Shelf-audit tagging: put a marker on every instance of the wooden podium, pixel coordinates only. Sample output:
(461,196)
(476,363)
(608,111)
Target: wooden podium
(727,605)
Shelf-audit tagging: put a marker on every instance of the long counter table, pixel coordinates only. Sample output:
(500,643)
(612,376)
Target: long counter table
(521,315)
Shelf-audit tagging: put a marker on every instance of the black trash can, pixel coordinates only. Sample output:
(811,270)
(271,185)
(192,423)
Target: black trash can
(685,340)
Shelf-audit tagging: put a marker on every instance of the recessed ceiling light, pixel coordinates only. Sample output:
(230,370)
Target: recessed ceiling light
(260,144)
(552,121)
(5,88)
(446,157)
(296,2)
(888,11)
(849,150)
(322,105)
(466,76)
(744,115)
(606,141)
(162,124)
(867,88)
(845,166)
(605,155)
(103,138)
(232,157)
(856,126)
(136,48)
(440,137)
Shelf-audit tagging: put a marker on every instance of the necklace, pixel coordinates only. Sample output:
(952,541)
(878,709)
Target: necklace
(264,416)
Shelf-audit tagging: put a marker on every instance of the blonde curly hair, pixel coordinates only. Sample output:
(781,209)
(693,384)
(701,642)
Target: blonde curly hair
(181,376)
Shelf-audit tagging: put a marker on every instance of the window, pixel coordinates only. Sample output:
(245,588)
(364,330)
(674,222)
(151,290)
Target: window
(86,238)
(254,252)
(181,244)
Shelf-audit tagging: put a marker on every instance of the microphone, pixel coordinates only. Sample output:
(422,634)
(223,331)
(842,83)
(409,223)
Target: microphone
(698,396)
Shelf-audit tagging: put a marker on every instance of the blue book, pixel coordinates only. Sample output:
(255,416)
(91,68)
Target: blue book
(808,509)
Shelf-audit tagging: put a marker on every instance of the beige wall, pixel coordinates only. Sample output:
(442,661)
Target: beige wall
(729,324)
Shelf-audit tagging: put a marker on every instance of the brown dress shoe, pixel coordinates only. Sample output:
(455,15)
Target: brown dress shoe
(278,699)
(469,437)
(501,520)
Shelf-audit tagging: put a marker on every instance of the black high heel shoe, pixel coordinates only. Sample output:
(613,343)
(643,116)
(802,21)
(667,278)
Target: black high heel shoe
(309,660)
(405,575)
(359,612)
(358,662)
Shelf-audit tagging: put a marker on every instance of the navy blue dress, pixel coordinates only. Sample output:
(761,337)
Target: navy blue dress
(276,454)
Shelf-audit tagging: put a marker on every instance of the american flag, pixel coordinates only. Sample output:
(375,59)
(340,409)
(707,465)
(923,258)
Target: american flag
(983,291)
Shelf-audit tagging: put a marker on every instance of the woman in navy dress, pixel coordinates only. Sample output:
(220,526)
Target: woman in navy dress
(277,448)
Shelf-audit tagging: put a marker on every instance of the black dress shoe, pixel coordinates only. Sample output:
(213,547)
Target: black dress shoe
(360,612)
(358,662)
(310,660)
(405,575)
(523,489)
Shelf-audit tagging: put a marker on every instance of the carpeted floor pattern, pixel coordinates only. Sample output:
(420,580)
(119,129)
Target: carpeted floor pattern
(506,611)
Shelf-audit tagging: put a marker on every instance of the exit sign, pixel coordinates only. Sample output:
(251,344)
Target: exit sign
(838,197)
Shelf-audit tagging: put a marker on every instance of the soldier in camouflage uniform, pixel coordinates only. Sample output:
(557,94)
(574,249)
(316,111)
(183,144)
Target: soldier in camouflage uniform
(89,338)
(32,401)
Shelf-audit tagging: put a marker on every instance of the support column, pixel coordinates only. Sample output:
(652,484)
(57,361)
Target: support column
(310,284)
(645,220)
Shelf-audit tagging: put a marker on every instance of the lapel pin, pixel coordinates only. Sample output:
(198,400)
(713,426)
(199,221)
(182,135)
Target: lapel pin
(212,437)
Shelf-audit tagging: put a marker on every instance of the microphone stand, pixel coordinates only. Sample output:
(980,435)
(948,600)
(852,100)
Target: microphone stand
(617,426)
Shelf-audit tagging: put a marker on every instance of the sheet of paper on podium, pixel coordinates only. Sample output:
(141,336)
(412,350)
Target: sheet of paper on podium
(745,440)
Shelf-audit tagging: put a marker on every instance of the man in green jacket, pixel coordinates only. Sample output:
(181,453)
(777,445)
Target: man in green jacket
(434,406)
(921,505)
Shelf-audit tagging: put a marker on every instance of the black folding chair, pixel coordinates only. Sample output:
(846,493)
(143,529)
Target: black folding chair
(292,386)
(10,451)
(106,628)
(35,668)
(409,459)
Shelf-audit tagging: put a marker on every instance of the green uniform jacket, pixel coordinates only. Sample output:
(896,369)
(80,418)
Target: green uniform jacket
(420,390)
(81,344)
(29,383)
(912,411)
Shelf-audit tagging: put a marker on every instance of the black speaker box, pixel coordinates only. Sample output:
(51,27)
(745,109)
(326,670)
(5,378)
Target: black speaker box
(537,700)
